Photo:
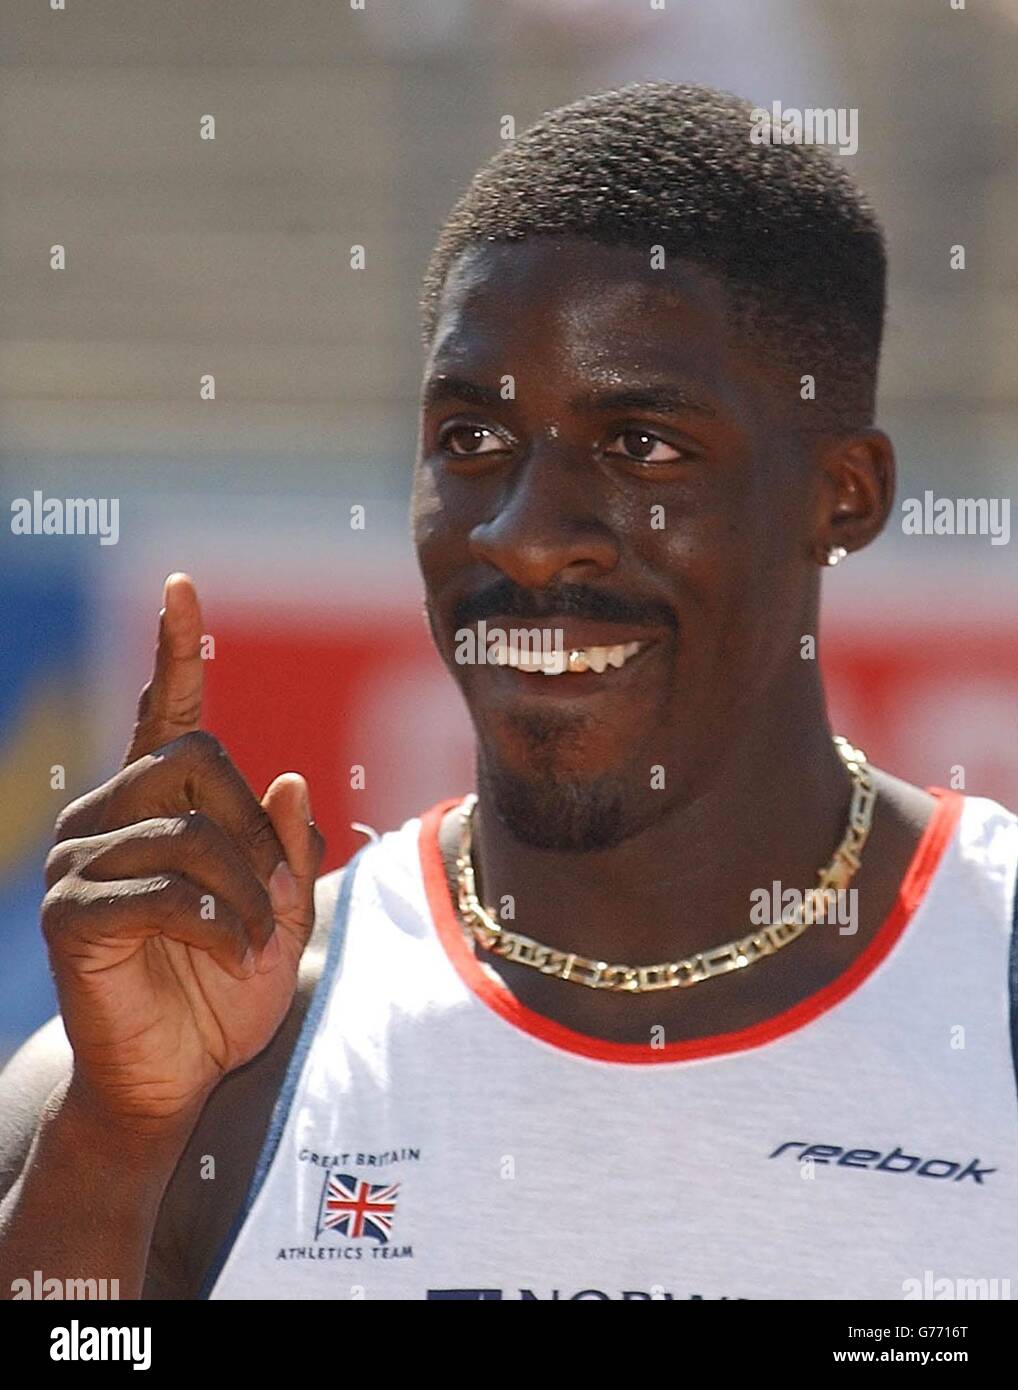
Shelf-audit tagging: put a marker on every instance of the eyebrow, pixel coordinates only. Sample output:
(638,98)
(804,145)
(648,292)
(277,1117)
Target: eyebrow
(663,399)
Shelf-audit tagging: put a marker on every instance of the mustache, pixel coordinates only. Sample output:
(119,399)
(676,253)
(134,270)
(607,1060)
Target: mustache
(504,599)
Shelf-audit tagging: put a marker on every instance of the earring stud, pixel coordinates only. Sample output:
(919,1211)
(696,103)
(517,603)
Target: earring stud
(835,554)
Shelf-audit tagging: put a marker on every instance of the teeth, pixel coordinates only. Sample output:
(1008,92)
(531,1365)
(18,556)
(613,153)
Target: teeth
(590,659)
(556,663)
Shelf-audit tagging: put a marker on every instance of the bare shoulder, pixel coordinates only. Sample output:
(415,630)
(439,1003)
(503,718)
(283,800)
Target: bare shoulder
(203,1196)
(211,1180)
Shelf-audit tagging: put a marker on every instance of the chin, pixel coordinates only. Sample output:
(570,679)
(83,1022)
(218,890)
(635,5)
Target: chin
(559,813)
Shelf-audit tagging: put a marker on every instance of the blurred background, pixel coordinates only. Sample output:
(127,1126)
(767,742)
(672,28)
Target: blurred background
(338,127)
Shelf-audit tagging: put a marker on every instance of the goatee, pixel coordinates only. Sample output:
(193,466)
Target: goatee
(557,813)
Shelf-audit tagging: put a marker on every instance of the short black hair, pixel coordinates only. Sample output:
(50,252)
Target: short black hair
(791,236)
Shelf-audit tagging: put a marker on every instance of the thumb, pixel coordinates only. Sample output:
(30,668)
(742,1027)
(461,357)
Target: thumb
(292,885)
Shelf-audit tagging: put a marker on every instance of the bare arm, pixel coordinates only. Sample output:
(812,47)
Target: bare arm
(53,1160)
(26,1083)
(86,1201)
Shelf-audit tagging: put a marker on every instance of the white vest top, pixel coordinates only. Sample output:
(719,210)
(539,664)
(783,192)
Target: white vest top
(435,1139)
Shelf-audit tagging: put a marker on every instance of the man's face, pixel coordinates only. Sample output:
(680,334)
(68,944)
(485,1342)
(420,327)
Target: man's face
(599,455)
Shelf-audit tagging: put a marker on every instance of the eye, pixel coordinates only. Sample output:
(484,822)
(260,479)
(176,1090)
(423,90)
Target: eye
(468,441)
(643,447)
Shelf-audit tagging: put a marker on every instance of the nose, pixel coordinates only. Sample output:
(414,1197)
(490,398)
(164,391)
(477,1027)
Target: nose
(544,528)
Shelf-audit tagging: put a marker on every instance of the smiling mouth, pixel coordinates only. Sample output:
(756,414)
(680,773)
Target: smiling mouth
(562,662)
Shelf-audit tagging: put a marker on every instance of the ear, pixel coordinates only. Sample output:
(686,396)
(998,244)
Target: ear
(855,493)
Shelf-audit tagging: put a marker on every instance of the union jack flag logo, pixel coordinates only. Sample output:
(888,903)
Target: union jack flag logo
(356,1208)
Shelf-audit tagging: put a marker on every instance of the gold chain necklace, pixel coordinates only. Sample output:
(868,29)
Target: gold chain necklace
(481,927)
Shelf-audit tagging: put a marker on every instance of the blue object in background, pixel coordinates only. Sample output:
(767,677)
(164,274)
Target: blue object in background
(44,624)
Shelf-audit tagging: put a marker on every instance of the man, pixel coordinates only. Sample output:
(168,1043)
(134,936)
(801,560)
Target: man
(553,1045)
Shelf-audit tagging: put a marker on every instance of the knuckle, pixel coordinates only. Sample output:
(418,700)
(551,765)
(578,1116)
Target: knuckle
(194,746)
(155,702)
(57,909)
(184,708)
(89,813)
(200,744)
(74,819)
(61,858)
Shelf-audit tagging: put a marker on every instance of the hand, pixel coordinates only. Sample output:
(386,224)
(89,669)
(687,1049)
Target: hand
(178,904)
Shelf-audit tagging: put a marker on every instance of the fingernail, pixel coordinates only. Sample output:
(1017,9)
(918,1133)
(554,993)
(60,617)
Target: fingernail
(282,889)
(271,954)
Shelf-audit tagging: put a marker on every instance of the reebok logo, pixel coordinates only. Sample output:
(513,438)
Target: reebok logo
(897,1161)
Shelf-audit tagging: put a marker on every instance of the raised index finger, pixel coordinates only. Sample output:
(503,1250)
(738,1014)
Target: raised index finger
(170,705)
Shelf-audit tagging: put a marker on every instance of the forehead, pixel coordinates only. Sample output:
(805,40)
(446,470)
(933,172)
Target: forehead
(573,307)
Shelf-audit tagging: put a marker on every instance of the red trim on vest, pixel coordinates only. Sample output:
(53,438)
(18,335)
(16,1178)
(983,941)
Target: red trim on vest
(928,853)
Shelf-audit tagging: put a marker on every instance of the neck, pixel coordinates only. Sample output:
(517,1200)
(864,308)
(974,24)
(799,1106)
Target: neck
(775,809)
